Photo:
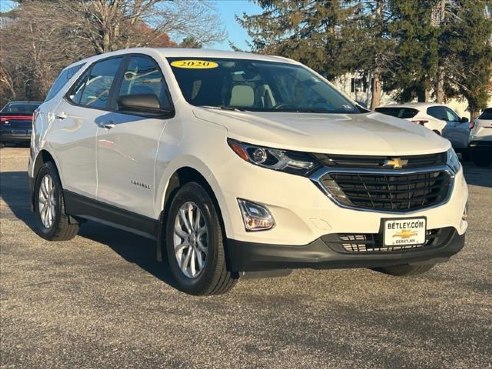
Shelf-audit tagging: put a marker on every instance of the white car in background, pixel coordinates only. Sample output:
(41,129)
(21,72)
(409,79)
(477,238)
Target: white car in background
(481,139)
(437,117)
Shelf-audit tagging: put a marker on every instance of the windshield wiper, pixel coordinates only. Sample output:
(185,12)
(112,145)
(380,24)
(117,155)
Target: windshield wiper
(223,107)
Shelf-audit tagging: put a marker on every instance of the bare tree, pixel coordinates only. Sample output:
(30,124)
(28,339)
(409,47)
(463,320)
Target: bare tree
(111,25)
(43,36)
(35,47)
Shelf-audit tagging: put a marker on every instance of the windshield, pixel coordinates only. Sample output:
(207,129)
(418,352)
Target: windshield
(254,85)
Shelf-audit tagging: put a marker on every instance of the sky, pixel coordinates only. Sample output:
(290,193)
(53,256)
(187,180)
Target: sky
(236,34)
(227,11)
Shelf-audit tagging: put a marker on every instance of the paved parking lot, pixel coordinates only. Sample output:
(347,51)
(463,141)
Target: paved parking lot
(101,301)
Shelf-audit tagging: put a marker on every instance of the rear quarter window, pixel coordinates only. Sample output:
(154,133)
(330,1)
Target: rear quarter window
(408,113)
(62,80)
(389,111)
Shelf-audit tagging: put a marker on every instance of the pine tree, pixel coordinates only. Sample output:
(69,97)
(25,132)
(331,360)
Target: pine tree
(415,63)
(470,49)
(316,33)
(372,46)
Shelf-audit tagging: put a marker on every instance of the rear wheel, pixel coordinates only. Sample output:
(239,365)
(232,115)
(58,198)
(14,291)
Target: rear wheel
(195,243)
(53,223)
(405,270)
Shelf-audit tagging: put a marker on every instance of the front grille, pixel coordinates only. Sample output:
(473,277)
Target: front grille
(378,162)
(373,242)
(388,192)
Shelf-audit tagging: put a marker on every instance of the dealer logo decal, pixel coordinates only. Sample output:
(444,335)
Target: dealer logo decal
(405,233)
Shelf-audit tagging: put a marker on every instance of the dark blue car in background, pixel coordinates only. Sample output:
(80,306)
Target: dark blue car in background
(16,121)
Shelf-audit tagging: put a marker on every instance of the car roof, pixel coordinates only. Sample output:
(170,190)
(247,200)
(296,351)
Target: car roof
(189,53)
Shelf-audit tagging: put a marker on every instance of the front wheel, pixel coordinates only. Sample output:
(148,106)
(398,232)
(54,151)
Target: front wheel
(405,270)
(195,243)
(53,223)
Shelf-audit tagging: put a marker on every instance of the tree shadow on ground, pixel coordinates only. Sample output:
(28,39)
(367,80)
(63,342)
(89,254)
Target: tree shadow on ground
(14,190)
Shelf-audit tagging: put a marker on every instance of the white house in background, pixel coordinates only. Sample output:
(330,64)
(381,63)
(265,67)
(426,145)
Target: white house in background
(357,86)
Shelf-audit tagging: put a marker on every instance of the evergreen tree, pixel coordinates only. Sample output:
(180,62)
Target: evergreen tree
(471,52)
(372,43)
(415,63)
(316,33)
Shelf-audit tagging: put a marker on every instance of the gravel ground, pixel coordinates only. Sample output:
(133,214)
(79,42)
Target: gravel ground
(101,301)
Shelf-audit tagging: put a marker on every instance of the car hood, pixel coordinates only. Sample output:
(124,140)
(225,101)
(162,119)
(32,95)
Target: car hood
(356,134)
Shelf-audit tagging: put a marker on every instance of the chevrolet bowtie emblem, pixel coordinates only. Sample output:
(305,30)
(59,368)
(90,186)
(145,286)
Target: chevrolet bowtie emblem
(405,233)
(396,163)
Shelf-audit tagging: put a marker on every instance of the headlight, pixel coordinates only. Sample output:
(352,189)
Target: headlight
(292,162)
(452,161)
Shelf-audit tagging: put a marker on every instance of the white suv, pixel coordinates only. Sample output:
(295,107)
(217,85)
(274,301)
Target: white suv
(237,163)
(437,117)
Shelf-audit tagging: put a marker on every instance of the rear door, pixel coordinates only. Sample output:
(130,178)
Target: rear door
(127,142)
(73,136)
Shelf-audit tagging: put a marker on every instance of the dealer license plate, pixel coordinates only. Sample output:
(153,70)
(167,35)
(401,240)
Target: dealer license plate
(401,232)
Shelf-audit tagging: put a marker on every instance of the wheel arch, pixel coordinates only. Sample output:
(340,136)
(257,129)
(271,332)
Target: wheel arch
(184,175)
(191,170)
(43,157)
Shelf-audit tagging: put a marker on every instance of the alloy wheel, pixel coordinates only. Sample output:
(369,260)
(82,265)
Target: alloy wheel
(47,201)
(190,240)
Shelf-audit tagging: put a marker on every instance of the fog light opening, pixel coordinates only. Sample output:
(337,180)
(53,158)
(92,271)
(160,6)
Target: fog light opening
(255,217)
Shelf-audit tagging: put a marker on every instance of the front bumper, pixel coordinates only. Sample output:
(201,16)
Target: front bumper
(303,212)
(323,253)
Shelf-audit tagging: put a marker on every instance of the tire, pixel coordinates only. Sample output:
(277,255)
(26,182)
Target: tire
(53,222)
(195,250)
(405,270)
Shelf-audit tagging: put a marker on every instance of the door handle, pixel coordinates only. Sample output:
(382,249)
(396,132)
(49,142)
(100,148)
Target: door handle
(106,125)
(61,116)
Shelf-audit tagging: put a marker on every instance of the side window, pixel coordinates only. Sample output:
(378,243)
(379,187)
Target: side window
(143,76)
(407,113)
(451,116)
(62,79)
(437,112)
(93,88)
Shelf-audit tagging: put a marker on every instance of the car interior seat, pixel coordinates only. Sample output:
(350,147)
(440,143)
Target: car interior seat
(242,96)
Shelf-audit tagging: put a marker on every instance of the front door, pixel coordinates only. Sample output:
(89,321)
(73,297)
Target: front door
(127,143)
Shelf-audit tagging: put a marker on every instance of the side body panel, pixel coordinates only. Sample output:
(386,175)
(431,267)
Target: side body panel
(125,161)
(73,138)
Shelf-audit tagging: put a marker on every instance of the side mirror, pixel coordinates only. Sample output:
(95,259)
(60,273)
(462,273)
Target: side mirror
(142,103)
(464,120)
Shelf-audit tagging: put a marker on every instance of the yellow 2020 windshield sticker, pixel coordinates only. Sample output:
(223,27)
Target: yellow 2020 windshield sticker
(194,64)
